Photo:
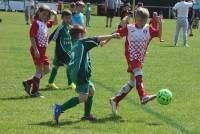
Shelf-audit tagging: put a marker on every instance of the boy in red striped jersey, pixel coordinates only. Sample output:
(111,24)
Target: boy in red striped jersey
(39,44)
(138,36)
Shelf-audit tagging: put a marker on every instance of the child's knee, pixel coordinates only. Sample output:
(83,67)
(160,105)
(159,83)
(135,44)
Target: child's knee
(92,91)
(83,97)
(46,70)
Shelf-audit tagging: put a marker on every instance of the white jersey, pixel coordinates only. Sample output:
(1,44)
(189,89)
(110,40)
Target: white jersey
(42,34)
(182,8)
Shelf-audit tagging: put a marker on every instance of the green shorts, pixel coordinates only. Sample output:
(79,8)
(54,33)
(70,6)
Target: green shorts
(84,88)
(57,62)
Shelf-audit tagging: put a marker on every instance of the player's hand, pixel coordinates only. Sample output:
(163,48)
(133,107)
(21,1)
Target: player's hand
(53,12)
(116,35)
(37,53)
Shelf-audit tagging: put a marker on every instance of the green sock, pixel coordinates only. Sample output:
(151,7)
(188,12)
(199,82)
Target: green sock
(68,77)
(70,103)
(88,105)
(53,74)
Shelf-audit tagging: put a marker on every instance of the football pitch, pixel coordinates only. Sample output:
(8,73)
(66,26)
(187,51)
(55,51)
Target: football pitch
(177,69)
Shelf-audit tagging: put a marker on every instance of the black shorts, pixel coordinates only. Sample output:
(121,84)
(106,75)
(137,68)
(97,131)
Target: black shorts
(110,13)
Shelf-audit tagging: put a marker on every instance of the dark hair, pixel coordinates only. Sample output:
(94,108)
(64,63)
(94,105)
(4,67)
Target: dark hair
(66,13)
(140,4)
(72,5)
(75,30)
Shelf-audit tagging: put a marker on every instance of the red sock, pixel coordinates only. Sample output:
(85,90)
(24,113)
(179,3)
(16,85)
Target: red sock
(140,86)
(36,83)
(30,81)
(122,93)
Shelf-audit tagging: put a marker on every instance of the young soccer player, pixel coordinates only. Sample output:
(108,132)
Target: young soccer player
(39,43)
(63,49)
(154,23)
(138,36)
(78,17)
(80,72)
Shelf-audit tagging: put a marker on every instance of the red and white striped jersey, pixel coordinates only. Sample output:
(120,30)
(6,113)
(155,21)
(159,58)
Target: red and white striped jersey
(137,40)
(39,31)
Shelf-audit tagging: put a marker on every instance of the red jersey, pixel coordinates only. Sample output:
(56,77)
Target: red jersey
(39,31)
(154,23)
(137,41)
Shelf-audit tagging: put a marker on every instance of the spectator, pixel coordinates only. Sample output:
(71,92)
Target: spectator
(110,9)
(29,10)
(88,13)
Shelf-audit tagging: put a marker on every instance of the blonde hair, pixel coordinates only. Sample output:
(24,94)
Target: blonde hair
(142,13)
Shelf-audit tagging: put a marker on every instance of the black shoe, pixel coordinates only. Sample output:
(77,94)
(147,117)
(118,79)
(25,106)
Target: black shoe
(191,35)
(27,87)
(106,25)
(37,94)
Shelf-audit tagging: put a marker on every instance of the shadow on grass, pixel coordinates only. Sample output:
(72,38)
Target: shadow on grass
(16,98)
(110,118)
(168,46)
(158,115)
(52,124)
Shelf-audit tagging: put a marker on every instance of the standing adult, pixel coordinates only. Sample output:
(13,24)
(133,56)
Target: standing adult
(182,9)
(29,10)
(118,5)
(110,7)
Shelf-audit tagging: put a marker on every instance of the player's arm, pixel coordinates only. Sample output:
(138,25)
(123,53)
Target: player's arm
(33,34)
(106,38)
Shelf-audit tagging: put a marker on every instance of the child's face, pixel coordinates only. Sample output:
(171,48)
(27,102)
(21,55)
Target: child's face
(67,19)
(44,16)
(73,9)
(80,8)
(81,35)
(140,22)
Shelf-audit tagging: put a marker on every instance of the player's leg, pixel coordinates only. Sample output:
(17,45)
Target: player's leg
(26,15)
(161,28)
(122,93)
(178,26)
(71,85)
(185,28)
(83,96)
(144,97)
(88,104)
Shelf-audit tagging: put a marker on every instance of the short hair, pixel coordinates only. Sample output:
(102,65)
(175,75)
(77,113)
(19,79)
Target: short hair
(43,8)
(75,30)
(66,12)
(155,14)
(142,13)
(140,4)
(80,3)
(72,5)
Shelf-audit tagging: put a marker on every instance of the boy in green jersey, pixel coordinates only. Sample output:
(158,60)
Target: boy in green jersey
(63,48)
(80,71)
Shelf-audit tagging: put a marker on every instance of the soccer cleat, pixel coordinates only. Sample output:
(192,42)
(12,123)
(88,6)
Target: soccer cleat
(57,112)
(89,117)
(27,87)
(175,45)
(147,98)
(52,86)
(114,106)
(71,86)
(186,45)
(37,94)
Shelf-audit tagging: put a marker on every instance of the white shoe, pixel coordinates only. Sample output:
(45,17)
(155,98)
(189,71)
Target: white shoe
(114,106)
(186,45)
(147,98)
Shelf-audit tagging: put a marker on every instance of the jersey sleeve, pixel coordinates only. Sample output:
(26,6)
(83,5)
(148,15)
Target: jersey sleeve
(123,31)
(153,32)
(189,4)
(56,33)
(50,23)
(89,43)
(34,29)
(175,6)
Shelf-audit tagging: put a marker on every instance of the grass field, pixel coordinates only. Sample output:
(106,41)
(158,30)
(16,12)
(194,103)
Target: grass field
(165,67)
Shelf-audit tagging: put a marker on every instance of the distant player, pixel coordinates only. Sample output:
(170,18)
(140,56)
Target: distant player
(78,17)
(182,9)
(39,44)
(138,36)
(154,23)
(63,49)
(80,72)
(88,13)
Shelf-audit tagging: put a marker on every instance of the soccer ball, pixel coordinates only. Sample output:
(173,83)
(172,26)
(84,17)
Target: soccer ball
(164,96)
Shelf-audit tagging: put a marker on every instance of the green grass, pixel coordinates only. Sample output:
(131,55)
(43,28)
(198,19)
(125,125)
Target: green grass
(165,67)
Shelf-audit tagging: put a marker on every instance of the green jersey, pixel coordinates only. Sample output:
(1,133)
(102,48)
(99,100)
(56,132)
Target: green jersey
(80,64)
(63,43)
